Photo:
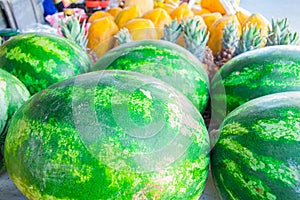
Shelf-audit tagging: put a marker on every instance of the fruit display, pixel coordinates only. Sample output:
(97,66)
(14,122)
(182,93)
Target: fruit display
(254,74)
(39,60)
(108,135)
(257,152)
(165,61)
(145,99)
(13,94)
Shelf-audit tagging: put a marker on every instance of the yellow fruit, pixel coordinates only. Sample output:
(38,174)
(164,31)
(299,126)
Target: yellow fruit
(261,22)
(169,8)
(200,11)
(172,2)
(141,29)
(242,15)
(216,32)
(127,14)
(159,17)
(144,5)
(114,11)
(99,14)
(181,12)
(215,5)
(211,18)
(100,35)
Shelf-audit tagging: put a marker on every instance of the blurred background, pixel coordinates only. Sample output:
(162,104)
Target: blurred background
(276,9)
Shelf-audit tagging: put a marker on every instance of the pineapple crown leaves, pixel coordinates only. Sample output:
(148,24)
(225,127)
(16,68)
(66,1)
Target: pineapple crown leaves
(230,38)
(279,34)
(123,36)
(172,31)
(195,37)
(251,39)
(72,30)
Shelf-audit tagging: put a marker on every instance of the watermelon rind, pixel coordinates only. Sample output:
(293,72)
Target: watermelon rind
(13,94)
(257,154)
(108,135)
(254,74)
(42,59)
(164,60)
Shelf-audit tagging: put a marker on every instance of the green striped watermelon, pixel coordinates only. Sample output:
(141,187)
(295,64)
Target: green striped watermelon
(12,95)
(108,135)
(164,60)
(42,59)
(257,155)
(253,74)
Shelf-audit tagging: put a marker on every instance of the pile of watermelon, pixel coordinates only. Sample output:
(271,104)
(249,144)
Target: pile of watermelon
(132,125)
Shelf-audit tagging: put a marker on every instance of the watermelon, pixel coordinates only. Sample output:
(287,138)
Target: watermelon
(164,60)
(257,155)
(108,135)
(42,59)
(13,94)
(254,74)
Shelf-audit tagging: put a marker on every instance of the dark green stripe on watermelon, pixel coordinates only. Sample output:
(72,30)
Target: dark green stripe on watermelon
(165,61)
(257,155)
(41,59)
(108,135)
(13,94)
(253,74)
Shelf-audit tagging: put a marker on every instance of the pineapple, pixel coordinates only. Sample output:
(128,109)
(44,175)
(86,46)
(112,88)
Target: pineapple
(196,39)
(123,36)
(72,30)
(172,31)
(230,41)
(251,39)
(279,34)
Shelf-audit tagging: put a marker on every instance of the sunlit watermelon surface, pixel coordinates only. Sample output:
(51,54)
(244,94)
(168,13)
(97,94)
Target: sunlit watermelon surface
(108,135)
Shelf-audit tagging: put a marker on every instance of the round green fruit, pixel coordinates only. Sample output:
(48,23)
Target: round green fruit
(12,95)
(42,59)
(164,60)
(108,135)
(254,74)
(257,155)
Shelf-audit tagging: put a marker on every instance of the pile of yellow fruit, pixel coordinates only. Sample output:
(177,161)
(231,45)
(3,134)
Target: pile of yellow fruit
(146,19)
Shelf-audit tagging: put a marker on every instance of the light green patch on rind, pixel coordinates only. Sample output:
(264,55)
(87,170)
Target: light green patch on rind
(250,183)
(278,129)
(274,169)
(249,75)
(234,128)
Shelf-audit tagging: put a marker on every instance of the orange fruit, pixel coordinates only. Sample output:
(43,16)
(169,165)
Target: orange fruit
(159,17)
(99,14)
(168,7)
(141,29)
(211,18)
(114,11)
(144,5)
(127,14)
(215,6)
(216,32)
(242,15)
(181,12)
(100,35)
(200,11)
